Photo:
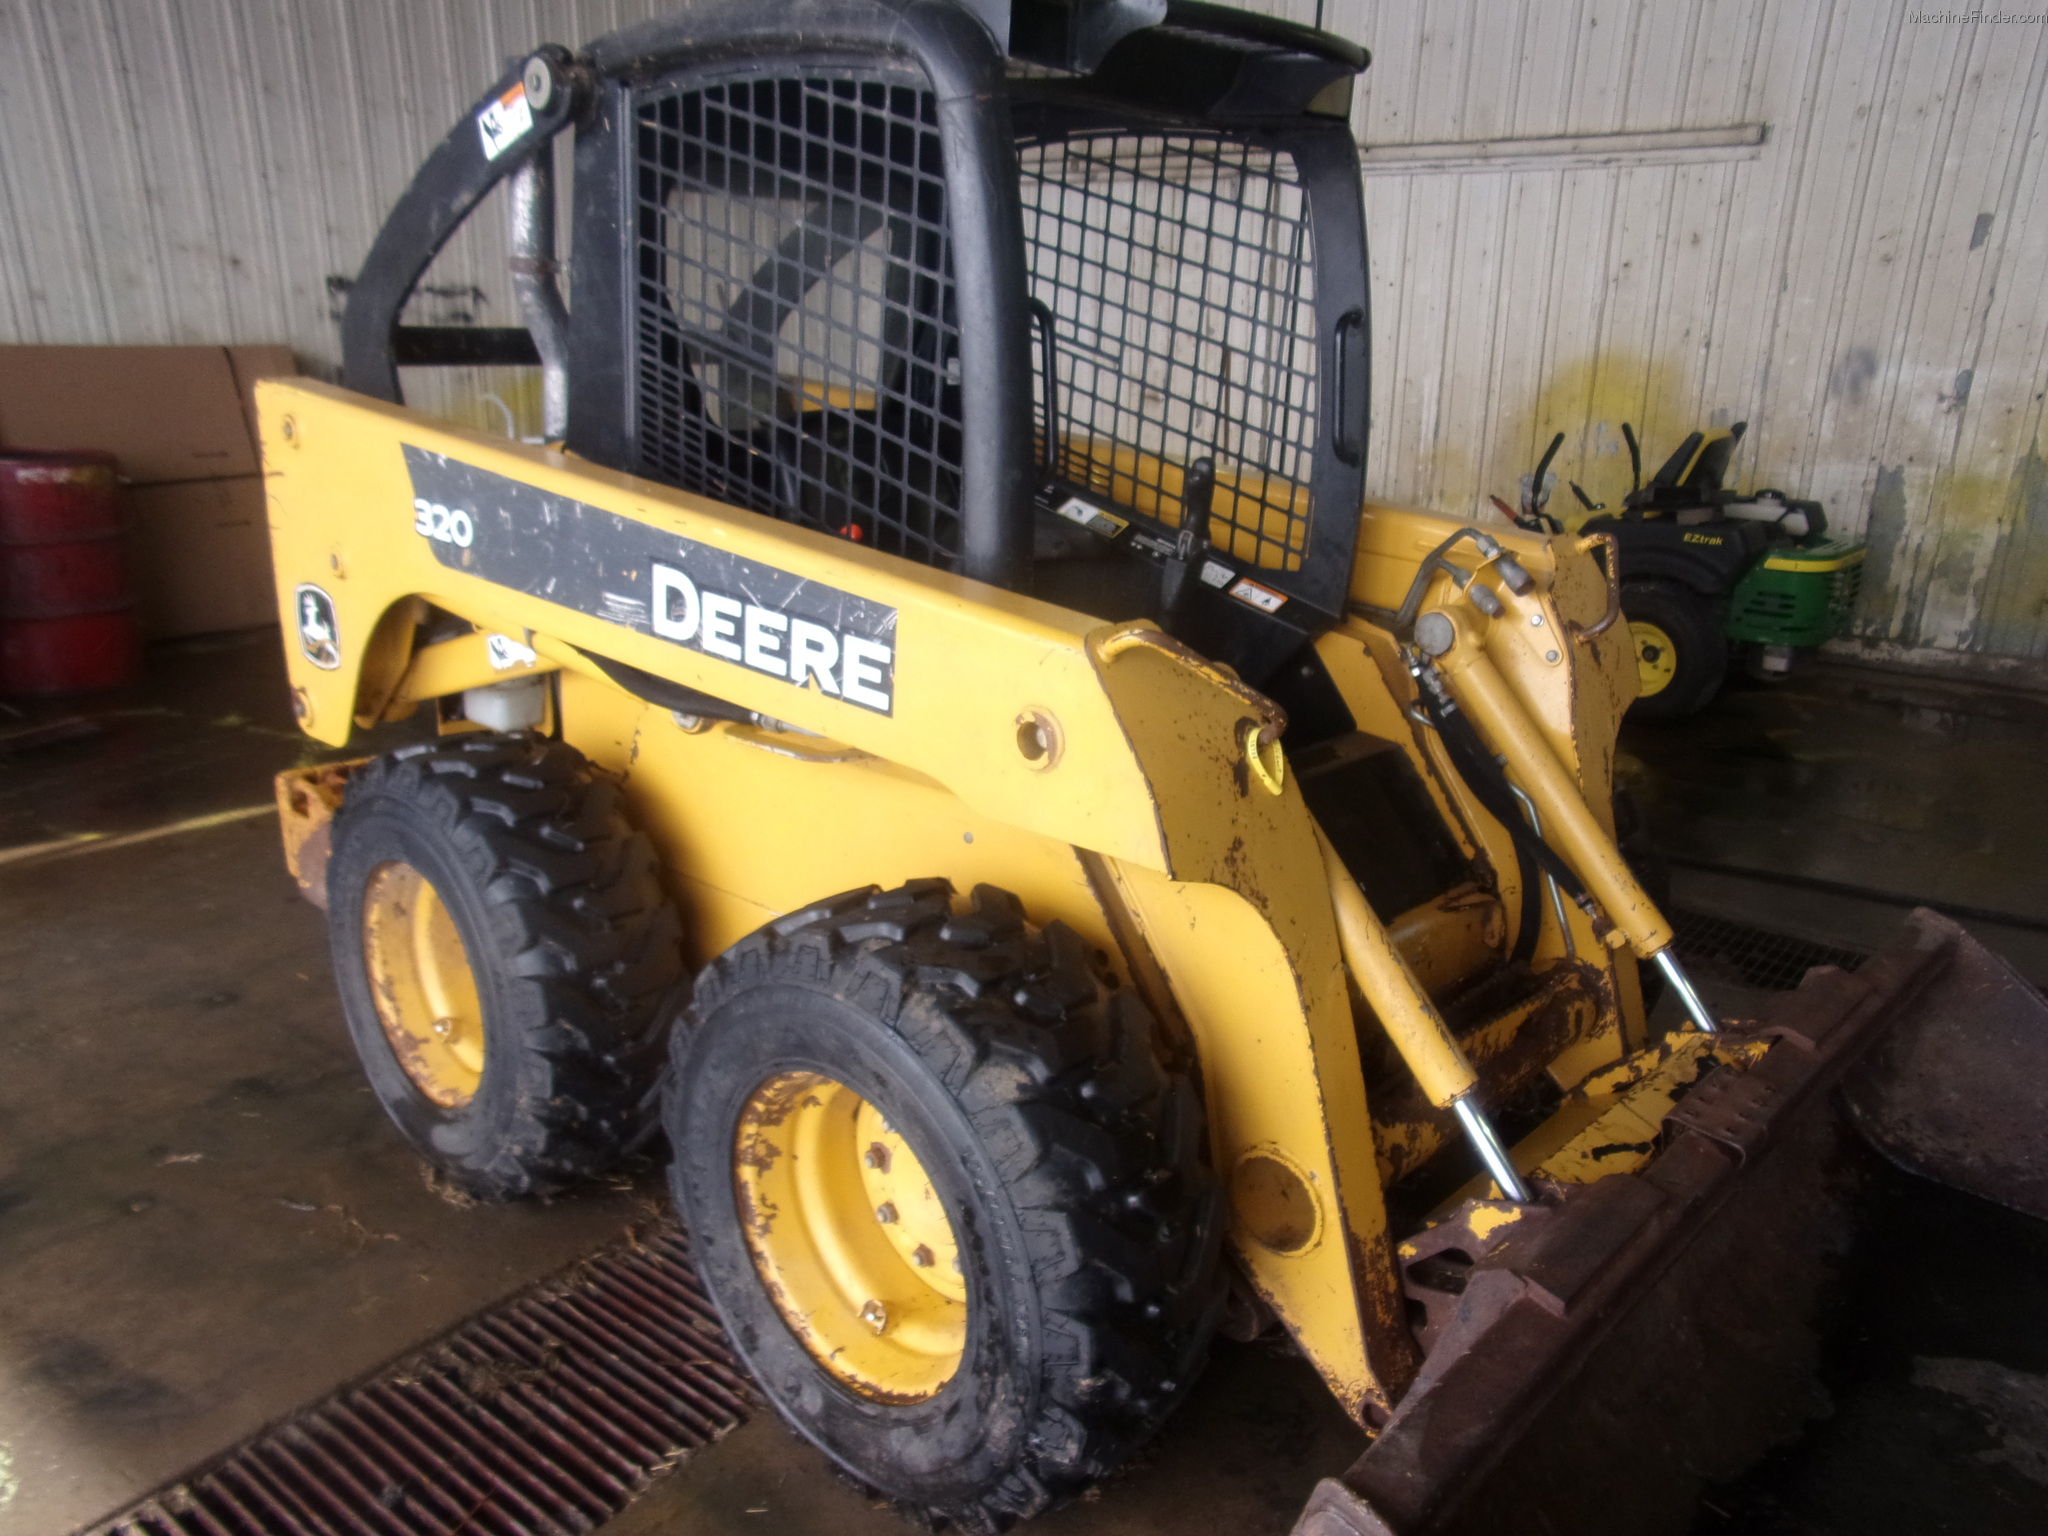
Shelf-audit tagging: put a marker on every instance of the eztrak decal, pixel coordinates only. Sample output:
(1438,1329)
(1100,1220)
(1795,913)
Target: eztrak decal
(696,595)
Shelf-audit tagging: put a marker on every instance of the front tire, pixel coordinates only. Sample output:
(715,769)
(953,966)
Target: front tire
(503,949)
(869,1089)
(1681,655)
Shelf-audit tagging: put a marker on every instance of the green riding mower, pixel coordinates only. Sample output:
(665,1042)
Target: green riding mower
(1709,575)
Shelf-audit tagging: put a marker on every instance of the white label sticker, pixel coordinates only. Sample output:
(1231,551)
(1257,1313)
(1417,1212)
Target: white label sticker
(1265,599)
(506,653)
(504,121)
(1093,518)
(1215,574)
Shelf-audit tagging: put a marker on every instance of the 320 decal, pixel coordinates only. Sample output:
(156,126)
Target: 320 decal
(443,524)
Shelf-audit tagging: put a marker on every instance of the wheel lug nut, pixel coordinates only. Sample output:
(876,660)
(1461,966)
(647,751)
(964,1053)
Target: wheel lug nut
(876,1316)
(876,1157)
(444,1027)
(885,1213)
(921,1256)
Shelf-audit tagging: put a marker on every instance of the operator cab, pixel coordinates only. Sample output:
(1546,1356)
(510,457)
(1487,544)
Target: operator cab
(1065,297)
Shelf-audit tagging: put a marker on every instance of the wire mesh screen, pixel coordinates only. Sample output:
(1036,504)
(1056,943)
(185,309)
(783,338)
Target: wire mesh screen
(1178,275)
(797,350)
(1762,958)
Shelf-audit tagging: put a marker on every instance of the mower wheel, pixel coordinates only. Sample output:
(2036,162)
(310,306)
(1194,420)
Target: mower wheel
(952,1200)
(504,954)
(1681,655)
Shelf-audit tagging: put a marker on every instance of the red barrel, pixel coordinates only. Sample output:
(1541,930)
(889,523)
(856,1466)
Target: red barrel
(67,613)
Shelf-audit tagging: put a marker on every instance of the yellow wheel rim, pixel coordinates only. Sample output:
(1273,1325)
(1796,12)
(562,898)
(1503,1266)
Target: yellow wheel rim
(424,988)
(849,1238)
(1656,658)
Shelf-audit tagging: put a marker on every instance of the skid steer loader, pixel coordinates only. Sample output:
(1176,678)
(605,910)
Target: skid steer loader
(1134,884)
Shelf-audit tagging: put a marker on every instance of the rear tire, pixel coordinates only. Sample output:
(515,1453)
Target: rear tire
(1060,1138)
(1681,654)
(503,950)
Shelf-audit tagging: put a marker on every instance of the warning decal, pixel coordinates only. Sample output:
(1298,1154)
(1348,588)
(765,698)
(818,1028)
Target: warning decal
(1265,599)
(505,121)
(1093,518)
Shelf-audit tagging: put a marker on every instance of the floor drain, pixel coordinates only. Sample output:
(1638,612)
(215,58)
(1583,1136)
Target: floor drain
(546,1415)
(1773,961)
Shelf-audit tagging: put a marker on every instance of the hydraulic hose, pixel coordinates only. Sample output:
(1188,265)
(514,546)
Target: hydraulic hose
(1597,872)
(1597,869)
(1489,784)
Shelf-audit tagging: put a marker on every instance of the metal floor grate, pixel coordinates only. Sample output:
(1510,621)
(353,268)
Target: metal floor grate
(543,1416)
(1775,961)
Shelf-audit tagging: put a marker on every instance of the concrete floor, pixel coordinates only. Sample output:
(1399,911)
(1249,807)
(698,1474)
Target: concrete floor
(1255,1436)
(1849,780)
(205,1222)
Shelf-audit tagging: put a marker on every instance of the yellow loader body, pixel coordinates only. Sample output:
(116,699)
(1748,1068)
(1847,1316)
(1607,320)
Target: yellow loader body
(1117,782)
(1146,819)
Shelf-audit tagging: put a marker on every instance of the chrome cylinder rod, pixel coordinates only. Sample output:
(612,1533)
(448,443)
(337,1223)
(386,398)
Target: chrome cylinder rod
(1695,1010)
(1480,1129)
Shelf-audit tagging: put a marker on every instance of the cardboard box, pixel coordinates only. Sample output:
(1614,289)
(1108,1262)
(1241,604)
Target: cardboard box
(248,364)
(200,551)
(181,423)
(166,413)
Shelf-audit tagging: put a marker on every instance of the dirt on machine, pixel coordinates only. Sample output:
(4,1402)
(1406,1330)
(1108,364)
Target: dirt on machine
(938,734)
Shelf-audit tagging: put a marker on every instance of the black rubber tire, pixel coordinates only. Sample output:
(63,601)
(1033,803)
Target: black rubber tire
(1688,618)
(573,945)
(1065,1138)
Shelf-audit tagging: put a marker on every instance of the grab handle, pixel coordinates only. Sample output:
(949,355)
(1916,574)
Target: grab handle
(1347,435)
(1588,543)
(1041,317)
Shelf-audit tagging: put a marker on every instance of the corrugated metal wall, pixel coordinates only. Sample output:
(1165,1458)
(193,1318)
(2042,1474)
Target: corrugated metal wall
(1865,287)
(212,170)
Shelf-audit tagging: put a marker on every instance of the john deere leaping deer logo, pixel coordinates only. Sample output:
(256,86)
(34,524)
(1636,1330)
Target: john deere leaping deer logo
(319,635)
